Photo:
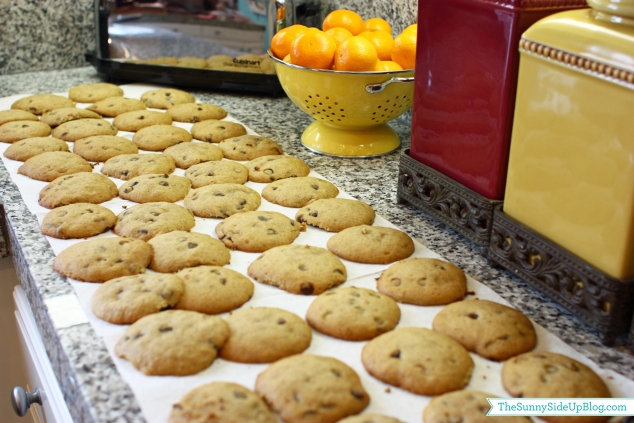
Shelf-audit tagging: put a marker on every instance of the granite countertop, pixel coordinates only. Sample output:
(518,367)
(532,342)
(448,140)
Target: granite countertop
(93,389)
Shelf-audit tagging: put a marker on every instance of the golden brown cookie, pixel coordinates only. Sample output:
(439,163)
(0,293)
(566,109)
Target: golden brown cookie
(353,314)
(188,154)
(79,220)
(51,165)
(83,187)
(225,401)
(126,299)
(336,214)
(58,116)
(307,388)
(83,128)
(257,231)
(265,335)
(465,406)
(213,289)
(489,329)
(418,360)
(154,188)
(42,103)
(222,200)
(299,269)
(272,168)
(196,112)
(128,166)
(423,281)
(145,221)
(249,147)
(173,342)
(371,244)
(178,250)
(114,106)
(13,115)
(191,62)
(298,192)
(90,93)
(138,119)
(17,130)
(213,130)
(25,149)
(370,418)
(159,137)
(102,259)
(165,98)
(101,148)
(220,172)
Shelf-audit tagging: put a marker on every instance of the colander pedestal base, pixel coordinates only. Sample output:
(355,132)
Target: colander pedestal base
(350,142)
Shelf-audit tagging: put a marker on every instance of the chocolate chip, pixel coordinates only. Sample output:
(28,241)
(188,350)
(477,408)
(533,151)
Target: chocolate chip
(307,288)
(163,184)
(315,187)
(191,245)
(314,214)
(396,354)
(264,218)
(357,394)
(239,395)
(473,316)
(143,231)
(281,321)
(336,372)
(166,329)
(271,232)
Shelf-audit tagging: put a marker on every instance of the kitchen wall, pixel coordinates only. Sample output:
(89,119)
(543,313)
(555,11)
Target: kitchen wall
(55,34)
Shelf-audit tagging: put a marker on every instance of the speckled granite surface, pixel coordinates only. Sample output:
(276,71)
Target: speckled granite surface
(93,389)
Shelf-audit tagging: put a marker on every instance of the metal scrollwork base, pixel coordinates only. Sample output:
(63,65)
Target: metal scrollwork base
(446,200)
(602,302)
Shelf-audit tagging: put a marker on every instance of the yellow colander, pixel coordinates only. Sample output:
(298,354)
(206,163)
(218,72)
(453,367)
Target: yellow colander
(350,108)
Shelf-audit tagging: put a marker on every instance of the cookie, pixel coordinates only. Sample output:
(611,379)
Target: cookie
(264,335)
(213,289)
(371,244)
(371,418)
(541,374)
(298,192)
(79,220)
(160,137)
(166,98)
(423,281)
(90,93)
(101,148)
(128,166)
(125,300)
(224,402)
(154,187)
(191,62)
(249,147)
(178,250)
(336,214)
(196,112)
(257,231)
(213,130)
(353,314)
(187,154)
(139,119)
(466,406)
(13,115)
(418,360)
(58,116)
(164,60)
(306,388)
(173,342)
(51,165)
(41,103)
(145,221)
(222,200)
(114,106)
(299,269)
(20,129)
(219,61)
(491,330)
(83,187)
(221,172)
(102,259)
(25,149)
(272,168)
(82,128)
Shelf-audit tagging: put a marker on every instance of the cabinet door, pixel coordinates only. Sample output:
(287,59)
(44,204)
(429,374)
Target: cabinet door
(39,369)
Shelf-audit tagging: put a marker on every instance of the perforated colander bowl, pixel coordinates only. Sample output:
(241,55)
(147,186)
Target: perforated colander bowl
(350,108)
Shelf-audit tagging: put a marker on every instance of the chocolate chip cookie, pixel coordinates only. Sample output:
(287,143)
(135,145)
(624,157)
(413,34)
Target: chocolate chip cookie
(25,149)
(298,192)
(154,188)
(272,168)
(221,172)
(257,231)
(79,220)
(222,200)
(145,221)
(83,187)
(178,250)
(128,166)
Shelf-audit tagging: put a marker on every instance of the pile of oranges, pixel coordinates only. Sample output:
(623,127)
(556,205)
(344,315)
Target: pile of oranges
(347,43)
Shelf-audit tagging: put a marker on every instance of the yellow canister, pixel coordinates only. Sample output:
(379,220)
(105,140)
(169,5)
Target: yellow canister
(571,167)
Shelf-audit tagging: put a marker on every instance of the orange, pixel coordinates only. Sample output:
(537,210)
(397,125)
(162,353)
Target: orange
(382,41)
(339,34)
(404,50)
(281,42)
(413,27)
(313,49)
(356,54)
(343,18)
(287,58)
(387,66)
(378,23)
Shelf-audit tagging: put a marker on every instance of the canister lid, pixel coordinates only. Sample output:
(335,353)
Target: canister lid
(618,8)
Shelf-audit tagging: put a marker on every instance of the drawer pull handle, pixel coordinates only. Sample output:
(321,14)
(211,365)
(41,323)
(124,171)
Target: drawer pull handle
(22,400)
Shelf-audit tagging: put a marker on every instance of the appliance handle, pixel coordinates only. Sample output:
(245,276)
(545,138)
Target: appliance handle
(377,88)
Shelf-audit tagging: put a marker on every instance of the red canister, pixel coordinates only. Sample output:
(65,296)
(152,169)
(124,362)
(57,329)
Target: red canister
(466,77)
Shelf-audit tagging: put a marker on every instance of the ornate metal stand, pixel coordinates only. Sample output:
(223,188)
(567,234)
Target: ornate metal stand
(602,302)
(446,200)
